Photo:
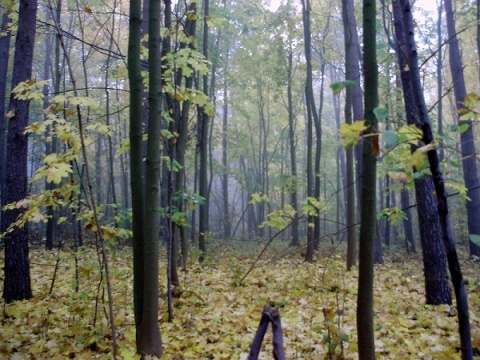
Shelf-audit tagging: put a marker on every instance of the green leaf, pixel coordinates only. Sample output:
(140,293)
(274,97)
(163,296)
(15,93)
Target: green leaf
(462,128)
(474,238)
(390,137)
(381,113)
(337,87)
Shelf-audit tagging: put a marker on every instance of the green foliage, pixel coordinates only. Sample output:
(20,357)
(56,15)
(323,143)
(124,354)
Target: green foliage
(474,238)
(393,214)
(350,133)
(381,113)
(280,218)
(337,87)
(390,137)
(30,90)
(258,198)
(470,111)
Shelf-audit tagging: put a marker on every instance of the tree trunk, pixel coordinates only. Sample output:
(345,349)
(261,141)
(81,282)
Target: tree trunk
(442,205)
(203,148)
(407,223)
(150,342)
(311,113)
(467,140)
(295,238)
(437,290)
(366,345)
(4,57)
(353,101)
(17,268)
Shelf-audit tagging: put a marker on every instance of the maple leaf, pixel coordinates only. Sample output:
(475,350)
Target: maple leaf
(56,172)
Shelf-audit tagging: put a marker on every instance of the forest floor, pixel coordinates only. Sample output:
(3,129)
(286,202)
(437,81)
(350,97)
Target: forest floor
(216,316)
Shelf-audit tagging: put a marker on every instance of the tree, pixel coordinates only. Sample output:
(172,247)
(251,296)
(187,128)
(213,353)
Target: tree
(366,345)
(351,63)
(437,289)
(17,270)
(442,205)
(295,240)
(311,114)
(145,208)
(4,57)
(467,139)
(203,146)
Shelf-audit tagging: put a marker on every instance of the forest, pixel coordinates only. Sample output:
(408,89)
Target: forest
(223,179)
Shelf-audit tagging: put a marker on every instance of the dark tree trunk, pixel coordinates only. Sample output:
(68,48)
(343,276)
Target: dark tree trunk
(295,239)
(353,101)
(203,148)
(311,115)
(442,205)
(467,140)
(17,268)
(366,344)
(437,289)
(4,57)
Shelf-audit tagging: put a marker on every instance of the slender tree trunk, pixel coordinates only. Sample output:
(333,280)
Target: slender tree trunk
(440,79)
(16,284)
(311,113)
(442,205)
(295,238)
(203,147)
(50,146)
(352,73)
(4,57)
(366,344)
(136,161)
(407,223)
(467,140)
(150,342)
(227,221)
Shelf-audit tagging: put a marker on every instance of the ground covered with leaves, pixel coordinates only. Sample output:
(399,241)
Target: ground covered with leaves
(217,314)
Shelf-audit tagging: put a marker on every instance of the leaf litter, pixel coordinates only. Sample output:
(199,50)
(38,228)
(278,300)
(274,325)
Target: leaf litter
(216,315)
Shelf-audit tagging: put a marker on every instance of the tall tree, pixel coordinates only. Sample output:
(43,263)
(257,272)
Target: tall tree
(17,268)
(442,205)
(437,290)
(366,344)
(295,239)
(203,145)
(311,115)
(467,139)
(145,208)
(351,62)
(4,57)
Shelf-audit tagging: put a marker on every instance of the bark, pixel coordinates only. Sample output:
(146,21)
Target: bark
(442,205)
(203,148)
(467,140)
(440,80)
(311,114)
(4,57)
(353,109)
(407,223)
(437,289)
(295,239)
(50,147)
(149,339)
(366,345)
(17,268)
(227,221)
